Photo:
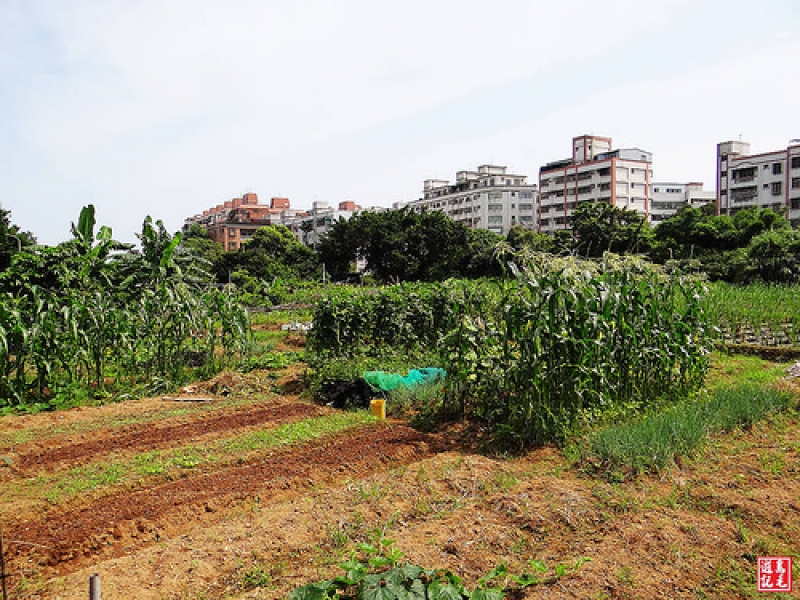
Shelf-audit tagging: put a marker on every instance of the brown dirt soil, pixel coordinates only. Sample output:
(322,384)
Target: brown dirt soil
(287,516)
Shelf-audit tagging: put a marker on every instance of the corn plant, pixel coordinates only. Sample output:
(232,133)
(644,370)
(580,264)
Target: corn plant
(87,312)
(570,341)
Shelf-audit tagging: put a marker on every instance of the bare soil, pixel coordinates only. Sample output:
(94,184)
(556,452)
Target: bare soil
(278,519)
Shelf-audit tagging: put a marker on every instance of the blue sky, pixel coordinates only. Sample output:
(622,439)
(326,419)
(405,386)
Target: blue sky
(167,107)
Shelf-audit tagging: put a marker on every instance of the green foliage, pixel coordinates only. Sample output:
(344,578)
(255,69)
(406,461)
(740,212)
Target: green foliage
(759,313)
(655,441)
(272,253)
(377,574)
(403,245)
(563,344)
(754,244)
(351,321)
(599,227)
(91,313)
(569,341)
(12,240)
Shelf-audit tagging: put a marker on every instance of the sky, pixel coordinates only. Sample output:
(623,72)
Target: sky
(168,107)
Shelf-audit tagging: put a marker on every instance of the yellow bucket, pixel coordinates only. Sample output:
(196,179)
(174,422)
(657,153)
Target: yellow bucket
(378,407)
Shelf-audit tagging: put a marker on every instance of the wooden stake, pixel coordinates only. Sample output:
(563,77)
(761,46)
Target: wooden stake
(3,566)
(94,587)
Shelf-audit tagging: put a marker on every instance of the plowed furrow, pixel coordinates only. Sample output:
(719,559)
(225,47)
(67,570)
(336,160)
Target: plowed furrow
(149,436)
(111,525)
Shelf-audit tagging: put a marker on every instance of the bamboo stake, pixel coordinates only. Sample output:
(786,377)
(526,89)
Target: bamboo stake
(3,566)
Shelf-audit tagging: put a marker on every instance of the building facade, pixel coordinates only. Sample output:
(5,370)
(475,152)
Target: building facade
(595,173)
(489,198)
(235,221)
(668,198)
(309,227)
(768,180)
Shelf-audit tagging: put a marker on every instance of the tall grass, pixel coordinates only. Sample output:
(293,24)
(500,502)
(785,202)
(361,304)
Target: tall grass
(654,442)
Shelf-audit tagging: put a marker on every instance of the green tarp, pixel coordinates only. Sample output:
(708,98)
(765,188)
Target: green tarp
(391,381)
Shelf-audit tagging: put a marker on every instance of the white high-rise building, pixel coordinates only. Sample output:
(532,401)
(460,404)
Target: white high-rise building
(668,198)
(595,173)
(489,198)
(767,180)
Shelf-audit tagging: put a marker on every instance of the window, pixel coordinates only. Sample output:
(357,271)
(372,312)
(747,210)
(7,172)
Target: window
(494,207)
(529,206)
(777,188)
(795,183)
(495,195)
(525,195)
(796,162)
(777,168)
(495,220)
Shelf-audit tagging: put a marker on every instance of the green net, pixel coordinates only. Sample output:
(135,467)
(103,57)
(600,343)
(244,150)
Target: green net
(391,381)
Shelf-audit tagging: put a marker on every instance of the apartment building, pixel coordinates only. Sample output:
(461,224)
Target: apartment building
(767,180)
(489,198)
(309,227)
(667,198)
(594,173)
(235,221)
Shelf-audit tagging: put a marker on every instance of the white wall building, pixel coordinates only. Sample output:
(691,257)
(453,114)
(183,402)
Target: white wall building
(768,180)
(667,198)
(595,173)
(310,226)
(489,198)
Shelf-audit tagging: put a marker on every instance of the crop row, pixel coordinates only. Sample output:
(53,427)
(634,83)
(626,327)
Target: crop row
(562,342)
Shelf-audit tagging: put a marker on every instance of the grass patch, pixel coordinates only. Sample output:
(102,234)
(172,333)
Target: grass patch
(731,369)
(171,462)
(654,442)
(271,360)
(84,479)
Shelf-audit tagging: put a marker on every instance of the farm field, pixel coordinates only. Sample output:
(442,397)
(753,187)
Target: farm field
(258,491)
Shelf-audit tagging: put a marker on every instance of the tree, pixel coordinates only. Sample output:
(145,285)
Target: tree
(599,227)
(12,240)
(199,245)
(774,256)
(518,238)
(717,241)
(273,252)
(403,245)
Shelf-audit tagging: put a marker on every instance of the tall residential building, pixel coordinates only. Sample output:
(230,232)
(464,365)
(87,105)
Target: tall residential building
(489,198)
(309,227)
(235,221)
(667,198)
(595,173)
(768,180)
